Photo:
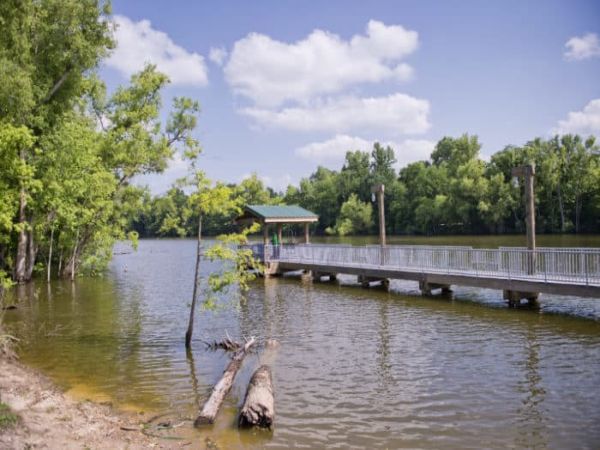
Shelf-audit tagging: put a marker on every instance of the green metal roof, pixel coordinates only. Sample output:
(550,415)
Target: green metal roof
(281,212)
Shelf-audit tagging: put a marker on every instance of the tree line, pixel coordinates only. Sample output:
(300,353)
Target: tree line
(69,151)
(455,191)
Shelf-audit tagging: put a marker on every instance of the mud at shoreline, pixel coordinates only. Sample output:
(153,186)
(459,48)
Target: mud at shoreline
(51,419)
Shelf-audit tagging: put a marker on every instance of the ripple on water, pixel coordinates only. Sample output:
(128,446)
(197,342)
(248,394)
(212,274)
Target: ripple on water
(356,368)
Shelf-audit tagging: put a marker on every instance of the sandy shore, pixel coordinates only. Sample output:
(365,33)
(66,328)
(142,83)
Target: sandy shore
(50,419)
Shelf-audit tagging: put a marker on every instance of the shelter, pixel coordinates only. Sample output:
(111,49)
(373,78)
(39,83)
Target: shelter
(278,215)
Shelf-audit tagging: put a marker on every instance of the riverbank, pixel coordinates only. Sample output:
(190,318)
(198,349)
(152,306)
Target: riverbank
(47,418)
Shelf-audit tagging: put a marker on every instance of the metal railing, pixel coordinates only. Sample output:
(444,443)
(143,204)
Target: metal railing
(576,266)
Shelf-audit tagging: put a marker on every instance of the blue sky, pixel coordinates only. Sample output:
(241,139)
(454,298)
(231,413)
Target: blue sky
(287,85)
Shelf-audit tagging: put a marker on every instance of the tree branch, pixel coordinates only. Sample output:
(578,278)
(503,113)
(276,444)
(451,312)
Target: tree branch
(57,85)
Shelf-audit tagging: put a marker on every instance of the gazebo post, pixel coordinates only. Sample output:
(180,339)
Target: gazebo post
(265,233)
(280,233)
(306,233)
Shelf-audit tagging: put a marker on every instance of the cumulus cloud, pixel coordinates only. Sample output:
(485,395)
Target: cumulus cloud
(412,150)
(395,114)
(271,72)
(332,152)
(581,122)
(217,55)
(138,43)
(582,47)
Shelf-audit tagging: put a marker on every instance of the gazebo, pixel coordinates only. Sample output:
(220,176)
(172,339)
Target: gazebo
(278,215)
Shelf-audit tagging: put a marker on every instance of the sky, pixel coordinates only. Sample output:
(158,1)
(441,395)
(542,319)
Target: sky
(285,86)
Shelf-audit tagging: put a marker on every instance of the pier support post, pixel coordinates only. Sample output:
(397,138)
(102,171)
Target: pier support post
(366,281)
(514,297)
(316,276)
(426,288)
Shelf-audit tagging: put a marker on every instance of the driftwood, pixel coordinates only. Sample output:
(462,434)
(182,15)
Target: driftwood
(214,402)
(227,344)
(259,404)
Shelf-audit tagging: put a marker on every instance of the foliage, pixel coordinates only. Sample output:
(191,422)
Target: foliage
(239,266)
(355,217)
(68,151)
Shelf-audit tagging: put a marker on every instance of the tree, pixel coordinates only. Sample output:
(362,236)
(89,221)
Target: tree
(454,152)
(206,199)
(355,217)
(46,49)
(354,177)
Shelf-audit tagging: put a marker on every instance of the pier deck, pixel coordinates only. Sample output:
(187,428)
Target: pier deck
(519,272)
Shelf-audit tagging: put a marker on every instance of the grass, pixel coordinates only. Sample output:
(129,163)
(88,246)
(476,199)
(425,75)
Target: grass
(7,417)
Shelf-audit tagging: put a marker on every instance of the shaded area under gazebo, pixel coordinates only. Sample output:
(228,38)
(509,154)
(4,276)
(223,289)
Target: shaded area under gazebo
(278,215)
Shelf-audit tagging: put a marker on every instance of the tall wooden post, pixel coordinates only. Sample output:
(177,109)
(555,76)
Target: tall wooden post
(379,189)
(528,173)
(381,217)
(530,205)
(306,233)
(280,234)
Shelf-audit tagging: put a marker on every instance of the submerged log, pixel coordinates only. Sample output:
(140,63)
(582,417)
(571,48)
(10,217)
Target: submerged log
(259,404)
(214,402)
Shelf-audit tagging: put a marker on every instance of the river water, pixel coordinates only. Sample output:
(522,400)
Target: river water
(357,368)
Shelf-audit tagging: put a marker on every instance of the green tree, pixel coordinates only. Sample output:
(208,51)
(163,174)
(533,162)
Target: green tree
(46,49)
(355,217)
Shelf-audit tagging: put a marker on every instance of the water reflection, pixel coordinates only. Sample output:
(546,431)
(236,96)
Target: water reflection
(193,377)
(532,418)
(385,371)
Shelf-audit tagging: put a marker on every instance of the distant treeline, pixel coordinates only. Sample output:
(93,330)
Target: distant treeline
(452,193)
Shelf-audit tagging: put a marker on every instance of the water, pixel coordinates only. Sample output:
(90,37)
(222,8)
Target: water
(356,368)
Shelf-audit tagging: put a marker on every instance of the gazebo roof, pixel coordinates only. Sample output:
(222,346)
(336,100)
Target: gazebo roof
(278,214)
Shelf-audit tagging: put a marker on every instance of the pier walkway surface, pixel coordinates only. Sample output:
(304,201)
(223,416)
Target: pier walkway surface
(518,272)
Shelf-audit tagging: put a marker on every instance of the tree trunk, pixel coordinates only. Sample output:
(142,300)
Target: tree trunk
(50,254)
(60,258)
(259,404)
(21,259)
(71,263)
(190,329)
(562,210)
(31,254)
(214,402)
(74,257)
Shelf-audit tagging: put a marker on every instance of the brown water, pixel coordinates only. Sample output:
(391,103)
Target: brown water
(356,369)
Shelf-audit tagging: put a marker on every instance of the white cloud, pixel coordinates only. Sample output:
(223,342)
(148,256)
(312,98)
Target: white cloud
(582,47)
(395,114)
(332,152)
(138,43)
(270,72)
(582,122)
(412,150)
(217,55)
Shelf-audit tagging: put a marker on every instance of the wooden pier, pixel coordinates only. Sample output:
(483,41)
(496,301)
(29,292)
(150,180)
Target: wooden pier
(518,272)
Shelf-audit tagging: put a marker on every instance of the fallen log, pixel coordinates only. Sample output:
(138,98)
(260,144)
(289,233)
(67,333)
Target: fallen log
(259,404)
(214,402)
(226,344)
